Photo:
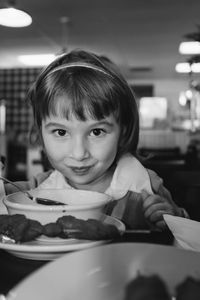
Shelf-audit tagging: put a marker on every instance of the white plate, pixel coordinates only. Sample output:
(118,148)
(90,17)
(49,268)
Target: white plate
(103,272)
(48,249)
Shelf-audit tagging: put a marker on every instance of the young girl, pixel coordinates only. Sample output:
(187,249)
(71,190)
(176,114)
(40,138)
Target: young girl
(87,121)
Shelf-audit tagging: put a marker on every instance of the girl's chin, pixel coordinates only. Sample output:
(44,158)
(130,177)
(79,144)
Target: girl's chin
(83,183)
(76,182)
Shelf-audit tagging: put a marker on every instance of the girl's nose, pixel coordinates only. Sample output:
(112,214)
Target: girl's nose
(79,149)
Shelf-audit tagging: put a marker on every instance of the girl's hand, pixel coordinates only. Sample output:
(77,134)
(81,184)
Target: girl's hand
(155,206)
(159,203)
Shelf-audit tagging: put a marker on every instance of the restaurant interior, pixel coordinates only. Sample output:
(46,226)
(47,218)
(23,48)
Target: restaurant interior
(143,38)
(156,46)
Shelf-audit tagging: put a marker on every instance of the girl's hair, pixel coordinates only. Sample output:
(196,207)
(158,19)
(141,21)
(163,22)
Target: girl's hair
(93,86)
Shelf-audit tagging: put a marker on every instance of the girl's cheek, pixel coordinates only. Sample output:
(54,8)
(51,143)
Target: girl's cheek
(56,156)
(54,151)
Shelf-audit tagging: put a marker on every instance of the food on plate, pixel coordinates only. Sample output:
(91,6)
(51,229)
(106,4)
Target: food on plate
(188,289)
(21,229)
(146,288)
(52,229)
(33,230)
(91,229)
(152,287)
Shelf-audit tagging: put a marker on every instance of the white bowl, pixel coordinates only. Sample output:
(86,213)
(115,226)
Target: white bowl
(103,272)
(78,203)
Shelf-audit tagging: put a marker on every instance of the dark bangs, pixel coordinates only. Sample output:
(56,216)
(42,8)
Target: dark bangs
(81,93)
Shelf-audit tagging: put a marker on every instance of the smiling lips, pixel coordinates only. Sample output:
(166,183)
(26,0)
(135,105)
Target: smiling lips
(81,170)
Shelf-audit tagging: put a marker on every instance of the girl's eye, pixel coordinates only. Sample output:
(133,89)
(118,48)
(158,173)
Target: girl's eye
(60,132)
(97,132)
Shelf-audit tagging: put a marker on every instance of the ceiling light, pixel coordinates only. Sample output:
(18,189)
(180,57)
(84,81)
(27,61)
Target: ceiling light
(195,67)
(36,60)
(183,67)
(188,94)
(13,17)
(187,67)
(190,47)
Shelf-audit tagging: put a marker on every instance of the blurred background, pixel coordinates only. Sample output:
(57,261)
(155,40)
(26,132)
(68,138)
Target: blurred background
(143,37)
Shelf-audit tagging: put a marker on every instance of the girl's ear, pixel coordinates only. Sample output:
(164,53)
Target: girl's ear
(33,136)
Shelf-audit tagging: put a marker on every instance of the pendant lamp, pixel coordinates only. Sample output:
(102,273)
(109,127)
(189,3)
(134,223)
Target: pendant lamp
(11,16)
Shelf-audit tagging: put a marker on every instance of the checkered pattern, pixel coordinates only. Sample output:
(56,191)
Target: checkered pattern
(14,84)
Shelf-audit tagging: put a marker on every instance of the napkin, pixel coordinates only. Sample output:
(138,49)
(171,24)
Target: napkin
(185,231)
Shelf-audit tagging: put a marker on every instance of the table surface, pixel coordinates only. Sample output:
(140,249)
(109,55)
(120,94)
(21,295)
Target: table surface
(14,269)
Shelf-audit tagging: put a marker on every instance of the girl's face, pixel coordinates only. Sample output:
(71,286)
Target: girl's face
(82,151)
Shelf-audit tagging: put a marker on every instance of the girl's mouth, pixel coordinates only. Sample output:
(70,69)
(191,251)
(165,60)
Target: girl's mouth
(81,170)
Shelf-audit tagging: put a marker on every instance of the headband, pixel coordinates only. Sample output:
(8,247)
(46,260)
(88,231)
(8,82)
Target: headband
(79,64)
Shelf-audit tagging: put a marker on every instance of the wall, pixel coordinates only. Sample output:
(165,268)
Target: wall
(169,88)
(14,84)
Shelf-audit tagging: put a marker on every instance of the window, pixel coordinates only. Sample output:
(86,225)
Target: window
(152,110)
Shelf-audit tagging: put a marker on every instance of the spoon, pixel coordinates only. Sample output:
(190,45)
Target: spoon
(39,200)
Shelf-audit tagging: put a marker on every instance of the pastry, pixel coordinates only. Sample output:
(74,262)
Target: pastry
(90,229)
(18,228)
(189,289)
(21,229)
(146,288)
